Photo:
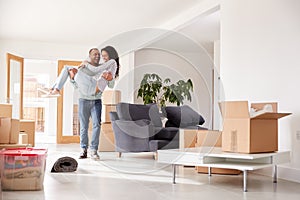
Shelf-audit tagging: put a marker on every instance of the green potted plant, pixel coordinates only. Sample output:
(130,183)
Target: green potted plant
(154,90)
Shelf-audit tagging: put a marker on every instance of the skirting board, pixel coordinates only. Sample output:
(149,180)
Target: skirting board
(284,172)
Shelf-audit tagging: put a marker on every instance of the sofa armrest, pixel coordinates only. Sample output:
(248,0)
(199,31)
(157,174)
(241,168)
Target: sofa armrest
(132,136)
(113,116)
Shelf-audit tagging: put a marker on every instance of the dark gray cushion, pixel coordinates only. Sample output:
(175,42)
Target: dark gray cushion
(182,116)
(167,133)
(154,145)
(133,112)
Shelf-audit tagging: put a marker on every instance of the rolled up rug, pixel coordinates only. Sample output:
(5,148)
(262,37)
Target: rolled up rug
(65,164)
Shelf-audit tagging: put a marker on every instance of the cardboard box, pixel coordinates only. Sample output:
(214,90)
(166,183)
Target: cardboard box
(13,146)
(211,138)
(111,97)
(23,138)
(14,131)
(28,126)
(5,110)
(244,134)
(106,110)
(107,138)
(215,170)
(5,126)
(187,138)
(22,168)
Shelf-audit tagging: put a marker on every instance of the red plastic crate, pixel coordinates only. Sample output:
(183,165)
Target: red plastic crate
(23,168)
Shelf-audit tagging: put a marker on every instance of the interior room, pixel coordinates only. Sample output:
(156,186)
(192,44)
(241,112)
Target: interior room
(199,100)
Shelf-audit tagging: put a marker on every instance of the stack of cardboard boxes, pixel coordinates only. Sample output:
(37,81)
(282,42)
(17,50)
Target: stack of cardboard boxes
(110,98)
(9,128)
(14,132)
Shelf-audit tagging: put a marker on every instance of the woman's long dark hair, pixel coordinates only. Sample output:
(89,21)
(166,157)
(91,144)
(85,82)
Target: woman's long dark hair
(113,54)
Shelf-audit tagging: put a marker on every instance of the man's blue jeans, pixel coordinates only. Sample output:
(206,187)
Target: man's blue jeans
(87,109)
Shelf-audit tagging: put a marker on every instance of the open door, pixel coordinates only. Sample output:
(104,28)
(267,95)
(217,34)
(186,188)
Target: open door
(15,68)
(67,110)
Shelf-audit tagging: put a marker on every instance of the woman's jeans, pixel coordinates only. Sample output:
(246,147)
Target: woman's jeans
(87,109)
(84,82)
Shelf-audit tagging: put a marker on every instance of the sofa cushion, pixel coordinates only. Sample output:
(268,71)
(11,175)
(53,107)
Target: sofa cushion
(154,145)
(133,112)
(182,116)
(167,133)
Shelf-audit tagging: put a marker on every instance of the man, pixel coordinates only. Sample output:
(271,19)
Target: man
(91,106)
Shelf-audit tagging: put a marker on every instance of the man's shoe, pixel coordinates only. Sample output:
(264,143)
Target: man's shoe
(94,155)
(83,154)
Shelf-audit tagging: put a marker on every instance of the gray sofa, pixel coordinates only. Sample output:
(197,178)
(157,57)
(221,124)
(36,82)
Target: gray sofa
(139,128)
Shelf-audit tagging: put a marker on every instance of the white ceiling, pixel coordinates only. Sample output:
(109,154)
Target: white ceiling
(83,22)
(204,30)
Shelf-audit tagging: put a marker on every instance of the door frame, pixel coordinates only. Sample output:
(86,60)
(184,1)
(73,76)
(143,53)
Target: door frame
(60,139)
(10,57)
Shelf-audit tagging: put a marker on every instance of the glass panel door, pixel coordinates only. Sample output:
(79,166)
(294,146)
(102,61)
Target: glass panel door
(15,65)
(67,109)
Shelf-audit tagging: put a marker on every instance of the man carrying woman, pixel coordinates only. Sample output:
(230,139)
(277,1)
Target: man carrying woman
(90,79)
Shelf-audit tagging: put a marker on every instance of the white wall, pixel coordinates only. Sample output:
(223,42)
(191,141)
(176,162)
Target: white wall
(170,65)
(125,82)
(260,47)
(217,123)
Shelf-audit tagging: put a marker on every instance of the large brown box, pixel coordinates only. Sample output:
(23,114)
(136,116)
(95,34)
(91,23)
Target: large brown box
(244,134)
(111,97)
(107,109)
(28,126)
(5,126)
(107,138)
(211,138)
(5,110)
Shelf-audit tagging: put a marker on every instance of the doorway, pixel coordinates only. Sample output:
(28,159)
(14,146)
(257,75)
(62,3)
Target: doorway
(39,74)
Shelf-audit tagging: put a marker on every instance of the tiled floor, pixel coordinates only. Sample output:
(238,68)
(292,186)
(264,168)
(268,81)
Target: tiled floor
(138,176)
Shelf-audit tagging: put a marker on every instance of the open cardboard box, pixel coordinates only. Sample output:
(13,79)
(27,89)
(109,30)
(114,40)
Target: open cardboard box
(243,134)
